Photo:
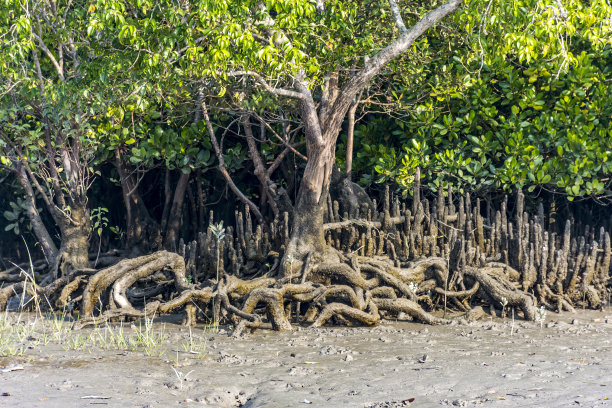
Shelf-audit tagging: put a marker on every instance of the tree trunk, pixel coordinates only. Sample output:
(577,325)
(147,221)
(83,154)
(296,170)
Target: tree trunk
(349,139)
(167,200)
(74,250)
(193,213)
(307,235)
(42,234)
(174,217)
(201,202)
(126,186)
(322,128)
(142,231)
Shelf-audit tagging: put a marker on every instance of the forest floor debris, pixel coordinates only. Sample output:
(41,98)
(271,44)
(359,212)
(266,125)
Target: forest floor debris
(565,362)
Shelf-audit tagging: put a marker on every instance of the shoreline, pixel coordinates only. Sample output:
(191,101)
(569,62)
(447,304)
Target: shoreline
(567,362)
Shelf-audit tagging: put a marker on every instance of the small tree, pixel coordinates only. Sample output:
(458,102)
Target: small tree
(289,50)
(317,57)
(45,136)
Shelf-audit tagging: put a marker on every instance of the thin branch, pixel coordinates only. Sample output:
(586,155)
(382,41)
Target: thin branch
(48,52)
(283,141)
(375,64)
(397,16)
(268,186)
(223,169)
(17,162)
(276,91)
(10,87)
(8,168)
(562,10)
(277,161)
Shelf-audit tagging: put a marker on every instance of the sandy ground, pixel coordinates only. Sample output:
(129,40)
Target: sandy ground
(490,363)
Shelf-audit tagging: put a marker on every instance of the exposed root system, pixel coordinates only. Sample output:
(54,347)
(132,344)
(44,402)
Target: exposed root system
(415,264)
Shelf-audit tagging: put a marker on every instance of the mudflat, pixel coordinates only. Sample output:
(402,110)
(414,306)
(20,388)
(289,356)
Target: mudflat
(565,361)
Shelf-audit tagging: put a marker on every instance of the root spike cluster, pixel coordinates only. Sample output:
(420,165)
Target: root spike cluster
(408,261)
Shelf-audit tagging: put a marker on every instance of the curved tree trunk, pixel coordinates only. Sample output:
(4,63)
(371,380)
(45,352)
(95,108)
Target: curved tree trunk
(323,125)
(307,234)
(42,234)
(73,222)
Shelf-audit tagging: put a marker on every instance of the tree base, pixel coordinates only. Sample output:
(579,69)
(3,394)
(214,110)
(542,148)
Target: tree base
(349,289)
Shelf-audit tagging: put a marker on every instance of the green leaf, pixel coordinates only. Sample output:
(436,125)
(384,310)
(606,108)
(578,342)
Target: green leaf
(575,190)
(11,216)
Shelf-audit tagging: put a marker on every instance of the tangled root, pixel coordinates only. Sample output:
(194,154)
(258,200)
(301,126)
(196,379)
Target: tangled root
(408,307)
(126,273)
(501,290)
(368,317)
(352,290)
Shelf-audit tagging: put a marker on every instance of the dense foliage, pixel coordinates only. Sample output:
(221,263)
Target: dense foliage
(524,105)
(109,94)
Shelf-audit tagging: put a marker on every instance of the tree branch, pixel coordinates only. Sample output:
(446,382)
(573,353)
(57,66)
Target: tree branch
(283,141)
(268,186)
(9,169)
(399,21)
(223,169)
(44,238)
(277,161)
(374,65)
(17,163)
(59,194)
(48,52)
(330,93)
(276,91)
(308,108)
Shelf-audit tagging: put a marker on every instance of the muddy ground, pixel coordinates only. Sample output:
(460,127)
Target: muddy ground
(489,363)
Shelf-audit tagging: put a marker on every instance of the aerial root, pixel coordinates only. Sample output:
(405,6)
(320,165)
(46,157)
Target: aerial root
(426,269)
(560,302)
(150,310)
(459,294)
(351,290)
(273,300)
(504,270)
(23,288)
(592,297)
(125,273)
(475,313)
(369,317)
(501,290)
(408,307)
(348,290)
(390,280)
(8,292)
(328,273)
(68,290)
(384,292)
